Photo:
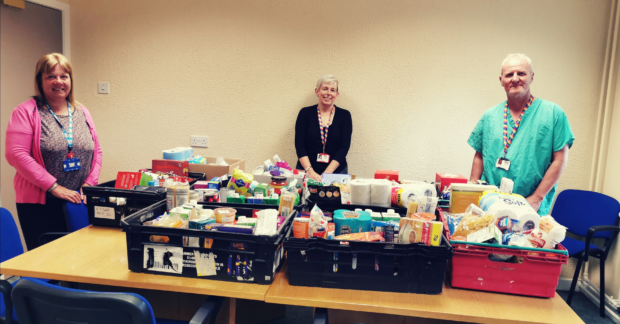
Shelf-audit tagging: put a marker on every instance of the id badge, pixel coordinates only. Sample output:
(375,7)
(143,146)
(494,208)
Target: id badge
(323,158)
(71,164)
(503,163)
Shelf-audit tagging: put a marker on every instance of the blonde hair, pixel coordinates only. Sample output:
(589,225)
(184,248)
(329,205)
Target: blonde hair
(45,65)
(329,79)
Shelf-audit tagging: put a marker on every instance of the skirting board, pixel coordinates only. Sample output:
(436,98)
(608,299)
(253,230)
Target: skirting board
(564,285)
(610,314)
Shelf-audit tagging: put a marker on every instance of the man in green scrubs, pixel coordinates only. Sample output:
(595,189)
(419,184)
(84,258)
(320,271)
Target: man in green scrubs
(524,138)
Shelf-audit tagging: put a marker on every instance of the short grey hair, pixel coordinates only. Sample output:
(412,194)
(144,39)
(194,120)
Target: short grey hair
(329,79)
(516,55)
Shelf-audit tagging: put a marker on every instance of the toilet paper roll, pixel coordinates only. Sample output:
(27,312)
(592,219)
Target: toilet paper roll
(380,192)
(360,191)
(502,210)
(524,217)
(427,189)
(529,219)
(409,192)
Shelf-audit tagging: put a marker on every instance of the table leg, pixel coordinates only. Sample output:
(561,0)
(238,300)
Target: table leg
(232,310)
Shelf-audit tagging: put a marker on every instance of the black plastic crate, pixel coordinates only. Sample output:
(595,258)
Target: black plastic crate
(235,257)
(332,206)
(103,211)
(377,266)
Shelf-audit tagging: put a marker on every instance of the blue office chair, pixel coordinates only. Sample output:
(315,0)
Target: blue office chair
(37,302)
(10,247)
(77,218)
(590,215)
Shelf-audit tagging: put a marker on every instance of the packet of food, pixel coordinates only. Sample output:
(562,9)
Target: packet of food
(366,236)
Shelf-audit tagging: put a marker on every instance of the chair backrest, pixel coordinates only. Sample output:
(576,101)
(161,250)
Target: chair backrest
(77,216)
(579,210)
(38,302)
(10,242)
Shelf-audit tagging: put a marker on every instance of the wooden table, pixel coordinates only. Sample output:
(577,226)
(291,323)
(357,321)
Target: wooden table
(98,255)
(453,304)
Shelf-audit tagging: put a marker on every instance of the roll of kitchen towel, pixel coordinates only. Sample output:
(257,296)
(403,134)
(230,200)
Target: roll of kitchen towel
(360,191)
(380,192)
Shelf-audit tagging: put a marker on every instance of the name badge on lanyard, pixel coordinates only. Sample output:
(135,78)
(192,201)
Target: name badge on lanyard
(323,157)
(71,163)
(503,163)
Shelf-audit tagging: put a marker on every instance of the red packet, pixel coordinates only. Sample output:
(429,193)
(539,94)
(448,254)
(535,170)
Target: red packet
(180,168)
(126,180)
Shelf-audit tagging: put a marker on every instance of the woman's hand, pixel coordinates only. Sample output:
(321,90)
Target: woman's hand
(82,193)
(67,194)
(313,175)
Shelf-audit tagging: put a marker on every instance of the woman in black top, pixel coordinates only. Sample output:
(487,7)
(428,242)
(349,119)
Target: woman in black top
(323,133)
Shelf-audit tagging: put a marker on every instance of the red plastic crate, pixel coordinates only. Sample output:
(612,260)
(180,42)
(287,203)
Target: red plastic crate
(537,276)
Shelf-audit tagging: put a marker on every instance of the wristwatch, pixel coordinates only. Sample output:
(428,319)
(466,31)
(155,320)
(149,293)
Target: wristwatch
(308,168)
(53,187)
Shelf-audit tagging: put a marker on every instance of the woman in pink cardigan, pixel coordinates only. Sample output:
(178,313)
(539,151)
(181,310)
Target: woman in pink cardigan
(52,143)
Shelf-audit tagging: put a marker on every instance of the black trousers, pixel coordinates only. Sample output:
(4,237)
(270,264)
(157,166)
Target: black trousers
(36,219)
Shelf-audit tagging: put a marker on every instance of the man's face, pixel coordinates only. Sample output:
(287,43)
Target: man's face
(516,76)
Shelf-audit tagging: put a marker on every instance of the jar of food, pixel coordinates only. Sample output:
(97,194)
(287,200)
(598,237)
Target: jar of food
(277,183)
(225,215)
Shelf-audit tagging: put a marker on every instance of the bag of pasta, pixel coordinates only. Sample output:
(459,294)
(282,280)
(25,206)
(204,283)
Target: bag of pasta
(474,220)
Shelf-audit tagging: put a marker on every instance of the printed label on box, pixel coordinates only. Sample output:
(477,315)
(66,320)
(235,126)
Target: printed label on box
(104,212)
(163,258)
(205,264)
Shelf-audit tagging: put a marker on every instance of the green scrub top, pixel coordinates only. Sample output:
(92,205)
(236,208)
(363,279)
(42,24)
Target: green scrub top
(544,129)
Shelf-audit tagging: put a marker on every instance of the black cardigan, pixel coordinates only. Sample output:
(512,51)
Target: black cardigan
(308,138)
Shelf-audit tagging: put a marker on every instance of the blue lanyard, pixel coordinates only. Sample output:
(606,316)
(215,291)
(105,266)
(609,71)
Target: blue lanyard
(69,136)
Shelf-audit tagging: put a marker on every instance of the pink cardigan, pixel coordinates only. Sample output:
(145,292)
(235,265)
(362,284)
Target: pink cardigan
(23,152)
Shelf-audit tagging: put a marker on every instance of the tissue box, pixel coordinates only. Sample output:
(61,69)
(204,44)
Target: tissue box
(391,175)
(179,153)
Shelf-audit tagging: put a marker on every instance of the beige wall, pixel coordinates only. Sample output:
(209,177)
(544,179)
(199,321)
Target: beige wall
(611,187)
(416,75)
(26,35)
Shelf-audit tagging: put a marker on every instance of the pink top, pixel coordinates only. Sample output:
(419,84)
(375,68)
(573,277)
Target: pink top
(23,152)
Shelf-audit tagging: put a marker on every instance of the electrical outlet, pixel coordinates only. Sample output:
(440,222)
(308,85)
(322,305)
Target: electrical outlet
(200,141)
(104,88)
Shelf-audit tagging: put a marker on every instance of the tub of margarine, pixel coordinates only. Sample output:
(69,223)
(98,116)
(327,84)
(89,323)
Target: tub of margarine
(225,215)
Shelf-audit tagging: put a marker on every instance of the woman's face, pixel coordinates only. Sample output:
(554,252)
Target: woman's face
(327,93)
(56,84)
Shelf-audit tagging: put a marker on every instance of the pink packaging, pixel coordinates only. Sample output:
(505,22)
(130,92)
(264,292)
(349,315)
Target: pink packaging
(201,185)
(280,221)
(283,164)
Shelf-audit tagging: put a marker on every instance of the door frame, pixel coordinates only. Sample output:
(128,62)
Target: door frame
(66,34)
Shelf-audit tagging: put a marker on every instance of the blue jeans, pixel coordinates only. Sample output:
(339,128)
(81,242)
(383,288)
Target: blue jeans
(345,170)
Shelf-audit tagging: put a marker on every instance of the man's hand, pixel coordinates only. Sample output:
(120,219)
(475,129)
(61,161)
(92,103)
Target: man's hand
(67,194)
(534,201)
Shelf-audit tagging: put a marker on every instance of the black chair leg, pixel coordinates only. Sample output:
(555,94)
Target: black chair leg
(320,316)
(575,278)
(602,288)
